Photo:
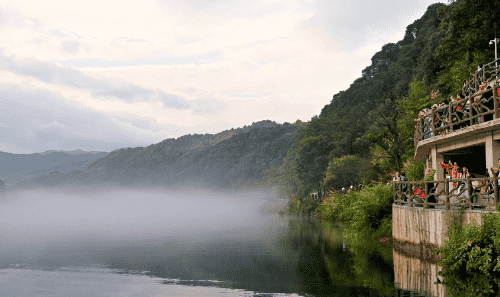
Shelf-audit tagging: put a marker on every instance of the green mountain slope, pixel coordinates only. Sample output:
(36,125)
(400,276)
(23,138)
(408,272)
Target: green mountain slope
(233,157)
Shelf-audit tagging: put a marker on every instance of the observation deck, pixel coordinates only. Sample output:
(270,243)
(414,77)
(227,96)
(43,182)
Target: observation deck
(466,131)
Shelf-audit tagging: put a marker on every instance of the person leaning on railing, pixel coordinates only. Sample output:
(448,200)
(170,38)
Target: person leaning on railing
(444,111)
(457,117)
(429,174)
(447,167)
(495,170)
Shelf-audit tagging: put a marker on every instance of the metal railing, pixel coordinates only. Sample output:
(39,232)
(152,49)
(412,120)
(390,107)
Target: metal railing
(468,193)
(478,106)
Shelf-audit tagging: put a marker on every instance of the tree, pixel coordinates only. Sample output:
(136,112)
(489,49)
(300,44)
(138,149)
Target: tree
(417,99)
(2,185)
(467,27)
(346,171)
(384,131)
(312,160)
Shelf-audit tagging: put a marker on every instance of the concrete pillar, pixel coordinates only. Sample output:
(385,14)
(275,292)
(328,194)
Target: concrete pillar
(436,158)
(492,151)
(439,175)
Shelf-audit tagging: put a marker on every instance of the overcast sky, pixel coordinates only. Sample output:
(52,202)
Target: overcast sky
(102,75)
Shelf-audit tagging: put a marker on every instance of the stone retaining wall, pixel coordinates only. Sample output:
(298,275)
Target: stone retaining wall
(419,231)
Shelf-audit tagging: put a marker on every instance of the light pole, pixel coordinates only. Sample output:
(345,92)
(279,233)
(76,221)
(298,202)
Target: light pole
(491,42)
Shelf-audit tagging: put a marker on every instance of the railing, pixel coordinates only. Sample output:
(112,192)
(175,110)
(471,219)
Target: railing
(468,193)
(477,107)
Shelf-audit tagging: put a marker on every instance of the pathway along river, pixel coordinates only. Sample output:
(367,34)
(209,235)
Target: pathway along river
(180,243)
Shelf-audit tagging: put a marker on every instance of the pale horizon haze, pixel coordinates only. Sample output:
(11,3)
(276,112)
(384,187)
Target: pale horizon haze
(103,75)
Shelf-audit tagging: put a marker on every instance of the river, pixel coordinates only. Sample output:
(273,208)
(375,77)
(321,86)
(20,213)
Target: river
(183,243)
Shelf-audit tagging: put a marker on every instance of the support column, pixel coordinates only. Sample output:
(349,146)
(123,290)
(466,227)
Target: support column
(492,152)
(436,158)
(439,175)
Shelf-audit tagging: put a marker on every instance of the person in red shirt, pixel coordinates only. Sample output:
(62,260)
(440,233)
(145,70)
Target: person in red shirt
(454,171)
(446,167)
(420,193)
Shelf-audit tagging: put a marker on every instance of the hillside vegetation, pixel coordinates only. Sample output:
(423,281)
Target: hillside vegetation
(232,158)
(366,132)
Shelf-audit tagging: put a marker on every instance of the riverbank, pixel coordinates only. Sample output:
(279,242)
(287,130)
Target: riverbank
(366,214)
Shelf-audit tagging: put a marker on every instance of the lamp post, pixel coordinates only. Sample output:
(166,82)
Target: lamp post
(491,42)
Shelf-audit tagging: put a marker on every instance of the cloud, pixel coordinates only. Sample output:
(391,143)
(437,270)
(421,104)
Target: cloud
(355,23)
(35,120)
(159,58)
(53,125)
(208,106)
(58,33)
(71,47)
(104,88)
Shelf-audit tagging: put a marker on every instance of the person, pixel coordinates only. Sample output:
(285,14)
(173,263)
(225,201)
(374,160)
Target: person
(419,193)
(405,187)
(444,110)
(465,109)
(483,86)
(447,167)
(458,110)
(429,174)
(466,88)
(495,170)
(427,123)
(479,74)
(464,173)
(437,119)
(455,171)
(396,177)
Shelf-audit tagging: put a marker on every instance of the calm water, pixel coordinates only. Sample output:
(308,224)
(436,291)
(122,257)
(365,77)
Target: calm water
(183,243)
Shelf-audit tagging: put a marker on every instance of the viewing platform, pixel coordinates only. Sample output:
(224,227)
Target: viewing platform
(466,131)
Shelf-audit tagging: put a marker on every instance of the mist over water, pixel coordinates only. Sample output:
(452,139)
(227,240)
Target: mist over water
(42,217)
(52,227)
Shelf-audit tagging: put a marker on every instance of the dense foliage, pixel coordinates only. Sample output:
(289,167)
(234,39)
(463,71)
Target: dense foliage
(365,214)
(471,263)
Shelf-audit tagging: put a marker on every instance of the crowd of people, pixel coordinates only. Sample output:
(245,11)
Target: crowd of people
(454,173)
(452,170)
(461,108)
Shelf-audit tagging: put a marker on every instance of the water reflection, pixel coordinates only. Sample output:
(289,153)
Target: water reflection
(134,240)
(417,275)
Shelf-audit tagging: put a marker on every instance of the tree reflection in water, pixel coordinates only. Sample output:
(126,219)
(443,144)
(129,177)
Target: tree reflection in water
(327,266)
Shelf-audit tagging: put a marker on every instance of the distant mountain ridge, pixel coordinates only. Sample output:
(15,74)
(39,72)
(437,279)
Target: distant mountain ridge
(16,168)
(73,152)
(229,158)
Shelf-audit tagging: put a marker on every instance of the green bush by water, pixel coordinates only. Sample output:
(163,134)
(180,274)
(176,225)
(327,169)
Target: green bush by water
(365,214)
(304,206)
(470,258)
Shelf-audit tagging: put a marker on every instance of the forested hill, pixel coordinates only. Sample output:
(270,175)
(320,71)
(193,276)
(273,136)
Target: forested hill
(365,133)
(235,157)
(15,168)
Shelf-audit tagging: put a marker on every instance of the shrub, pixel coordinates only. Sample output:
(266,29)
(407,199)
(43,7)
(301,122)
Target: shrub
(470,256)
(364,213)
(304,206)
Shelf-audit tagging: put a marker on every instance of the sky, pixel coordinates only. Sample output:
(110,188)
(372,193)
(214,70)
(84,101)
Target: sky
(103,75)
